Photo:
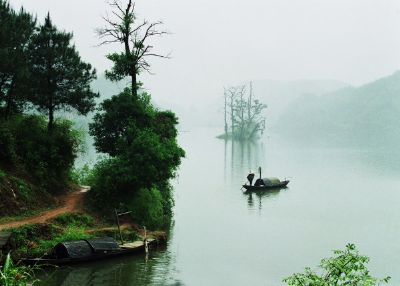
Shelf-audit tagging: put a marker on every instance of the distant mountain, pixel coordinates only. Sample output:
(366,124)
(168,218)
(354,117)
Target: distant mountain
(365,116)
(278,95)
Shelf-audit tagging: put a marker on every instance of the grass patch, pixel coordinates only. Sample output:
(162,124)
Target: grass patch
(74,219)
(16,275)
(39,239)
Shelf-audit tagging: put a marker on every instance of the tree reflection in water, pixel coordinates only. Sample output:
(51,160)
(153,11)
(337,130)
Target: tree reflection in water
(246,156)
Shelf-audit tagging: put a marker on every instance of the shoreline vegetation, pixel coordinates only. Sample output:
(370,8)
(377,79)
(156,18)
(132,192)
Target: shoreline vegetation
(43,79)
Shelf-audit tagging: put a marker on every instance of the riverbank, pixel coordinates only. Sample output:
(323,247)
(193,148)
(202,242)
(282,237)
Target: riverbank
(35,236)
(38,239)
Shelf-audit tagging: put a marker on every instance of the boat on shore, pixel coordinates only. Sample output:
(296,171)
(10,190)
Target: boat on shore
(90,250)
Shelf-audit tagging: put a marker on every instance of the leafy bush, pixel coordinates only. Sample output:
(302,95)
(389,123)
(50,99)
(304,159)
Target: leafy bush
(147,208)
(47,157)
(82,176)
(346,267)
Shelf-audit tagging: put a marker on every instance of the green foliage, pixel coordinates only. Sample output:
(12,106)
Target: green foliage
(121,67)
(115,116)
(147,208)
(38,239)
(47,158)
(14,275)
(141,141)
(82,176)
(346,267)
(60,79)
(16,31)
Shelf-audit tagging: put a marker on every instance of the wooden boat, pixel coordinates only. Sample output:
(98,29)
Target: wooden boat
(263,184)
(89,250)
(281,184)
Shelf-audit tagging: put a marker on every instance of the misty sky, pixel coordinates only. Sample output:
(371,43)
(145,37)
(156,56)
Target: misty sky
(220,42)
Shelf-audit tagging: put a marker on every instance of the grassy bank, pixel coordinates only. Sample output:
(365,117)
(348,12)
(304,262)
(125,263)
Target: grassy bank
(36,240)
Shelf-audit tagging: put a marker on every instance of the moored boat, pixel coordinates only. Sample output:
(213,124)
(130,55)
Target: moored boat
(89,250)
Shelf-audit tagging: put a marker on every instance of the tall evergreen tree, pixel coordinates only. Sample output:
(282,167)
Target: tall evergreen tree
(61,80)
(16,30)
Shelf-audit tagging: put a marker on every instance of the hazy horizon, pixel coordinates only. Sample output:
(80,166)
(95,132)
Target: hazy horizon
(217,43)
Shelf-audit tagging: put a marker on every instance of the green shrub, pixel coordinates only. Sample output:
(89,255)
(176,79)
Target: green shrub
(82,176)
(47,157)
(147,208)
(346,267)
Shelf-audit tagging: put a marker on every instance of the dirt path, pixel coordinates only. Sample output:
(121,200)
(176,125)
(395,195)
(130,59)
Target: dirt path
(69,203)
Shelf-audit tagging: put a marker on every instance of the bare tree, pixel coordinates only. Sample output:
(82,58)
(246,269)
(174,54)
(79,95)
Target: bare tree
(244,125)
(232,96)
(122,27)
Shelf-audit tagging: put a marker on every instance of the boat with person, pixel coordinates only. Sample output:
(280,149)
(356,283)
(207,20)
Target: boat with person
(263,184)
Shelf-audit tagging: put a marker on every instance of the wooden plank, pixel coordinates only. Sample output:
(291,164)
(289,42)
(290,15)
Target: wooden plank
(4,237)
(136,244)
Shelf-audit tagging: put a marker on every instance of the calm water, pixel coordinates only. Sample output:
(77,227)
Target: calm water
(221,236)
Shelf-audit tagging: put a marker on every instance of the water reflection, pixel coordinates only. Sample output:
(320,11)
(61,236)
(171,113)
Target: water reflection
(255,199)
(132,270)
(244,156)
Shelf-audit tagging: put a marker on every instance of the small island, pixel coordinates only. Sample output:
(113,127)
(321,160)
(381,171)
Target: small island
(246,121)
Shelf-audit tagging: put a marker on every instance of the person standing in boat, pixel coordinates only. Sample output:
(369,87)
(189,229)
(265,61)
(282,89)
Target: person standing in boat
(250,177)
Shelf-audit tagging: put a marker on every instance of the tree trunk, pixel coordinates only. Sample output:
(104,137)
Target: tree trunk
(242,113)
(51,119)
(250,101)
(134,84)
(9,99)
(232,120)
(226,124)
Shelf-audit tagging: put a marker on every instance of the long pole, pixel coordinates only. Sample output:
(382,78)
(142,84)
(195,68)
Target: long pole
(119,228)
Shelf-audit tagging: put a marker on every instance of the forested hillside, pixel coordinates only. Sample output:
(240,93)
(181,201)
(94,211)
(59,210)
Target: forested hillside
(365,116)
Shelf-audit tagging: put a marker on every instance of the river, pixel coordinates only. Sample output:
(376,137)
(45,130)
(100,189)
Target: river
(221,236)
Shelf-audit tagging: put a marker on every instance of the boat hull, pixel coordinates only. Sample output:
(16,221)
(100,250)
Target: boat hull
(281,185)
(126,249)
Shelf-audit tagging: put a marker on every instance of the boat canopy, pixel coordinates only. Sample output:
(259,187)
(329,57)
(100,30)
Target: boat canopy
(85,248)
(271,181)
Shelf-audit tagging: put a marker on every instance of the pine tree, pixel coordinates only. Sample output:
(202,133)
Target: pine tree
(61,80)
(16,31)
